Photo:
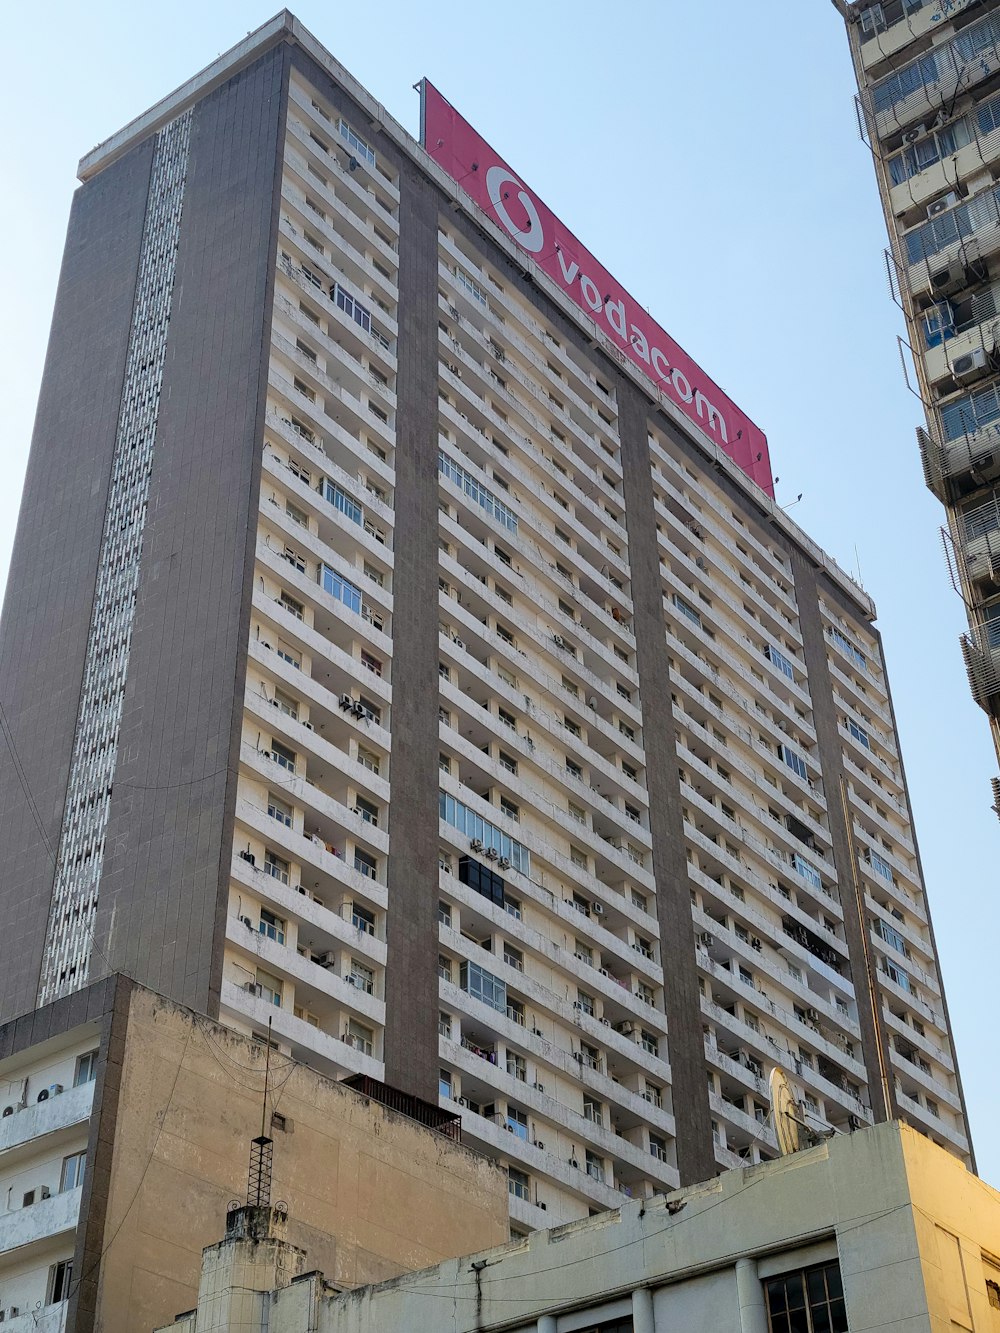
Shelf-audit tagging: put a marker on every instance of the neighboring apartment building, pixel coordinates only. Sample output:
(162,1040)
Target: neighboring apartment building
(420,677)
(929,108)
(126,1124)
(877,1229)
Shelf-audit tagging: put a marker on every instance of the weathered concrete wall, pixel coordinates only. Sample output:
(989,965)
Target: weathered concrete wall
(370,1193)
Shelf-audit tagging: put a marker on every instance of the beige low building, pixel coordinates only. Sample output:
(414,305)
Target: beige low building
(126,1123)
(875,1230)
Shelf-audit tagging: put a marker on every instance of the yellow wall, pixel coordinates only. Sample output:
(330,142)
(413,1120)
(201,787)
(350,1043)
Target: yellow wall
(369,1193)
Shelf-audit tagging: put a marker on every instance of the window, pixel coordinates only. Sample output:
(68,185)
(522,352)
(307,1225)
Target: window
(444,967)
(364,864)
(471,286)
(460,817)
(361,148)
(361,977)
(60,1281)
(278,810)
(483,985)
(859,733)
(282,755)
(595,1166)
(362,919)
(291,605)
(794,761)
(517,1122)
(649,1042)
(593,1111)
(808,872)
(517,1066)
(276,867)
(513,957)
(360,1037)
(518,1183)
(585,1002)
(686,609)
(269,987)
(779,660)
(342,501)
(289,654)
(892,937)
(658,1147)
(351,307)
(368,812)
(510,808)
(341,588)
(86,1069)
(846,646)
(808,1301)
(897,975)
(72,1171)
(880,865)
(272,926)
(286,704)
(477,492)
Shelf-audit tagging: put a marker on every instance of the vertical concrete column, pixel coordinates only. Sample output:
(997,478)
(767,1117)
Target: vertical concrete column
(753,1316)
(642,1311)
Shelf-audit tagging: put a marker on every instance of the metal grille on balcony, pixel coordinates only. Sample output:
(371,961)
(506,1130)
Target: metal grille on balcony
(984,674)
(969,461)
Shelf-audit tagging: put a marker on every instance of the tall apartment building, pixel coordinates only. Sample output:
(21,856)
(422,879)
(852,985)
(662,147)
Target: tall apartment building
(929,108)
(391,661)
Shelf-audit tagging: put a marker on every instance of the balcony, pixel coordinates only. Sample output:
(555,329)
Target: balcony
(983,668)
(49,1217)
(61,1111)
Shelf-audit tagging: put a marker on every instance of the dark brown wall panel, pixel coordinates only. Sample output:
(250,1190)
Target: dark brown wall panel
(170,829)
(50,591)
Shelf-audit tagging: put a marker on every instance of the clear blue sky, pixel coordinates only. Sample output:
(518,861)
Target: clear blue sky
(709,156)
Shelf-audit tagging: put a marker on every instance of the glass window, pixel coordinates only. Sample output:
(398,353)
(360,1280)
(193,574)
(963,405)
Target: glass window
(779,660)
(476,491)
(342,501)
(72,1171)
(360,146)
(808,872)
(808,1301)
(341,588)
(483,985)
(518,1183)
(364,864)
(60,1281)
(859,733)
(686,609)
(272,926)
(279,810)
(892,937)
(346,302)
(86,1069)
(460,817)
(276,867)
(794,761)
(362,919)
(517,1122)
(444,1084)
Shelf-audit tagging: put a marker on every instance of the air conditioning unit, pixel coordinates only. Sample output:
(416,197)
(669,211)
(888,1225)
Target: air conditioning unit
(326,959)
(597,908)
(504,863)
(580,957)
(539,1087)
(911,136)
(972,366)
(951,278)
(476,845)
(574,1162)
(626,1028)
(358,710)
(346,702)
(351,979)
(36,1196)
(606,1022)
(559,641)
(605,972)
(253,988)
(536,1032)
(756,943)
(462,1101)
(249,856)
(492,854)
(706,939)
(539,1204)
(308,726)
(942,204)
(247,922)
(538,1144)
(812,1015)
(43,1096)
(578,1055)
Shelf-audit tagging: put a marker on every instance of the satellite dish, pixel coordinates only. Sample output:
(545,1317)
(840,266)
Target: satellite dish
(785,1109)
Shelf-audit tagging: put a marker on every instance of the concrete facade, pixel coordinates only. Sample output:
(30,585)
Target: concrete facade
(887,1231)
(161,1104)
(478,726)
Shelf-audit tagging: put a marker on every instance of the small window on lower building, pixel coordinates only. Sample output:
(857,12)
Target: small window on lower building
(810,1300)
(72,1171)
(86,1068)
(518,1183)
(60,1281)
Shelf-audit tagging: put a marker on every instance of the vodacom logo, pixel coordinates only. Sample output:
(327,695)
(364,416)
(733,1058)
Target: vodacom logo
(532,239)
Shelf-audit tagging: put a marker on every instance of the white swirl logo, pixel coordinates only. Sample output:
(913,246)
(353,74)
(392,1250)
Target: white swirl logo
(531,240)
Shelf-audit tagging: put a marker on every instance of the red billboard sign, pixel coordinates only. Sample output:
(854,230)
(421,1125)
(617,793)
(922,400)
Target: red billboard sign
(488,180)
